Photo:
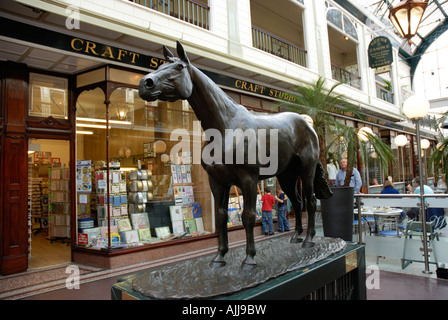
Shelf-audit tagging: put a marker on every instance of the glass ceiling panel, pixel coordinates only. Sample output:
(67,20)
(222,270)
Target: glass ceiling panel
(436,13)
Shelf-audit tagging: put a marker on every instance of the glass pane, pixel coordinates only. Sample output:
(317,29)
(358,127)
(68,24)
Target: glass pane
(350,28)
(48,96)
(124,76)
(335,17)
(90,77)
(90,154)
(155,193)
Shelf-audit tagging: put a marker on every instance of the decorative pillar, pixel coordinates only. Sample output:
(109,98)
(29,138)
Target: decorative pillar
(14,210)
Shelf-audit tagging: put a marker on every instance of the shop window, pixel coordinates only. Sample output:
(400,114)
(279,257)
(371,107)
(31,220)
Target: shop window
(132,188)
(48,96)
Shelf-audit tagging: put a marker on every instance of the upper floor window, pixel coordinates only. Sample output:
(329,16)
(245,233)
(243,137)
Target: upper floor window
(277,28)
(343,41)
(192,11)
(342,22)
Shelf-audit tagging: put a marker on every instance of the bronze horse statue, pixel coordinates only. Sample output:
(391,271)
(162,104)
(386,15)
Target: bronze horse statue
(298,148)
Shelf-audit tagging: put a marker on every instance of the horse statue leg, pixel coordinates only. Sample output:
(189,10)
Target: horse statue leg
(288,181)
(308,194)
(249,190)
(221,195)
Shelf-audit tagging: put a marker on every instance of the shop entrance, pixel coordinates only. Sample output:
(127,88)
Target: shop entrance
(48,202)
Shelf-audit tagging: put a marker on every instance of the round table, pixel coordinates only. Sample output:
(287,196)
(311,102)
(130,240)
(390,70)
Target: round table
(379,215)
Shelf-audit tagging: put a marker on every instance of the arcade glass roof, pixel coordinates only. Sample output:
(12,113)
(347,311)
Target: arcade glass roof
(433,24)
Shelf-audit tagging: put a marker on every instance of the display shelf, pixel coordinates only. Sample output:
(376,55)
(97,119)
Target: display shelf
(58,203)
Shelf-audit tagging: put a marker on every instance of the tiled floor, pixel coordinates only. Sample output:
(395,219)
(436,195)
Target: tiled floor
(392,286)
(389,283)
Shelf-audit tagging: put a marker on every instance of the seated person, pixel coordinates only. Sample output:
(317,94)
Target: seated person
(389,188)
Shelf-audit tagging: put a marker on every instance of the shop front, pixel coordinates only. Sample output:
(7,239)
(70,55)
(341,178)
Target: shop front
(106,180)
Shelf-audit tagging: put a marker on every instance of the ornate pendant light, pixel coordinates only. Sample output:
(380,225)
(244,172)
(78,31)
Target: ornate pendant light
(406,17)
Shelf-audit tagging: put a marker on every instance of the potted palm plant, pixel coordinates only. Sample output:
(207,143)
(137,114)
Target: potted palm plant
(321,104)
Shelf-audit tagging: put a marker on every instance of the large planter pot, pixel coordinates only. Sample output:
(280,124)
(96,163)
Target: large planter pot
(337,213)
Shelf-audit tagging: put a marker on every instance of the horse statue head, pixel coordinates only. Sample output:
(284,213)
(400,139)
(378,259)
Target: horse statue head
(171,81)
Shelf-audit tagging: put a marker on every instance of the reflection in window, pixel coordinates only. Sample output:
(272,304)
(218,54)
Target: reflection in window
(152,191)
(335,17)
(48,96)
(349,28)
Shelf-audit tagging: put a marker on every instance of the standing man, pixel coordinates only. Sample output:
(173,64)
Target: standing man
(283,224)
(355,181)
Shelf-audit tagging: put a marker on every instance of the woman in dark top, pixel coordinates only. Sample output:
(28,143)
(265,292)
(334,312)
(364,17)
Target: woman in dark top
(389,188)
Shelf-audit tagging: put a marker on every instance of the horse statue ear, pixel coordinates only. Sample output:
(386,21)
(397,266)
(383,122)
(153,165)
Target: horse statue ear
(181,53)
(167,53)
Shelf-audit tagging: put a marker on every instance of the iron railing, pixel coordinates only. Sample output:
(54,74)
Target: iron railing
(281,48)
(187,10)
(421,201)
(344,76)
(384,94)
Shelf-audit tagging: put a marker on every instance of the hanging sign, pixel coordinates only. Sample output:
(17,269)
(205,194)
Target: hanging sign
(380,52)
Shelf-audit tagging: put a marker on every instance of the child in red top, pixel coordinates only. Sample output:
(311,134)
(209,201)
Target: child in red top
(268,201)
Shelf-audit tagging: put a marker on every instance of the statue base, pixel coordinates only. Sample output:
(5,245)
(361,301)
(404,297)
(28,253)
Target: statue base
(284,271)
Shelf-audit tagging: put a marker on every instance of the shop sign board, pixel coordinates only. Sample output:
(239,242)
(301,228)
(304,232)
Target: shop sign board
(380,55)
(380,52)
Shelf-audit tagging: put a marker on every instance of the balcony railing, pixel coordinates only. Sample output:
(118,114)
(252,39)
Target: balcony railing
(187,10)
(281,48)
(384,94)
(344,76)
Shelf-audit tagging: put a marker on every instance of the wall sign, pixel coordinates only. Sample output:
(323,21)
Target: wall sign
(380,52)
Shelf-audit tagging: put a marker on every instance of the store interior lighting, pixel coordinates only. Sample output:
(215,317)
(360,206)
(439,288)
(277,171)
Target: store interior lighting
(103,121)
(83,132)
(88,125)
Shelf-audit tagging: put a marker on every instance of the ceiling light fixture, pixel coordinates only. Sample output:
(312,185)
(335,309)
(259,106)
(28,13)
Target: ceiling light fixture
(406,17)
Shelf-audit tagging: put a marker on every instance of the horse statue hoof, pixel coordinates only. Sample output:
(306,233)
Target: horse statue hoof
(218,261)
(217,264)
(249,263)
(296,239)
(307,243)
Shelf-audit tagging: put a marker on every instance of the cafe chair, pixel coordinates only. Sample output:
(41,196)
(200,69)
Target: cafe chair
(415,229)
(390,228)
(356,226)
(371,223)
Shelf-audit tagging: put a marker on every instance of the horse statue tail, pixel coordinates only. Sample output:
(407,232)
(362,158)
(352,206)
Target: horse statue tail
(321,188)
